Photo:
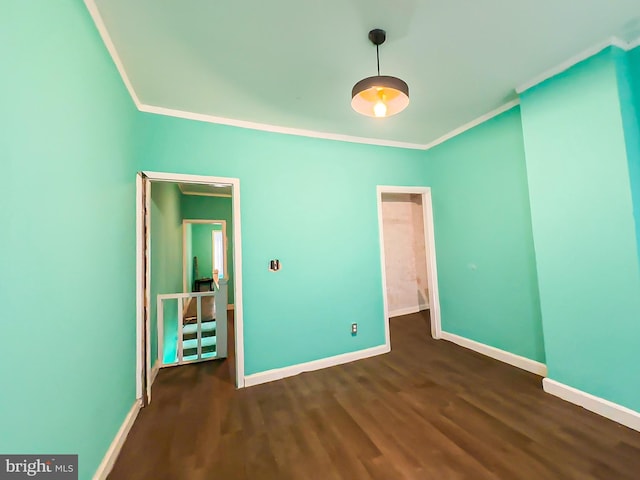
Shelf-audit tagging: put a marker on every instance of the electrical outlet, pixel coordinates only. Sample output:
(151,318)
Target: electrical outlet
(354,329)
(274,265)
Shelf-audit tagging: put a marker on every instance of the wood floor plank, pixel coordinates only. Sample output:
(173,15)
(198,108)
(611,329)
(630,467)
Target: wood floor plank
(427,410)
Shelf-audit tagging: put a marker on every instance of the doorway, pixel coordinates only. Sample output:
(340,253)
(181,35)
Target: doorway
(407,254)
(162,264)
(204,253)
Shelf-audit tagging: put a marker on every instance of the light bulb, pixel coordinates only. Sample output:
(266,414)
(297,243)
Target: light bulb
(380,109)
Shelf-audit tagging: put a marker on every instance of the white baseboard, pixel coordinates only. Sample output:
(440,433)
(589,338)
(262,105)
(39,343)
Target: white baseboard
(280,373)
(623,415)
(114,449)
(398,312)
(502,355)
(154,371)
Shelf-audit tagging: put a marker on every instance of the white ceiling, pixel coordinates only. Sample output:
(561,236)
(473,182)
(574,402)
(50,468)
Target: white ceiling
(292,63)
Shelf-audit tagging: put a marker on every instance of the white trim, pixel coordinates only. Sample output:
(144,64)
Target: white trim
(473,123)
(383,271)
(111,456)
(236,228)
(430,250)
(185,178)
(219,195)
(618,42)
(154,371)
(570,62)
(432,267)
(633,44)
(160,330)
(566,65)
(201,117)
(502,355)
(280,373)
(139,284)
(613,411)
(185,295)
(147,292)
(111,48)
(237,252)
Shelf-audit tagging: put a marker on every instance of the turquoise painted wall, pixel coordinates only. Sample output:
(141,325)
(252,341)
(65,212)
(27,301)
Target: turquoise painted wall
(201,248)
(166,262)
(628,74)
(486,262)
(67,249)
(291,189)
(634,62)
(213,208)
(584,232)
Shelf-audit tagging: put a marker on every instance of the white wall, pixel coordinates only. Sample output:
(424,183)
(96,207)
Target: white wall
(405,256)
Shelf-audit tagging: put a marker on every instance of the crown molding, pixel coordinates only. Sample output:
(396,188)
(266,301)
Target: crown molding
(618,42)
(201,117)
(567,64)
(473,123)
(111,48)
(633,44)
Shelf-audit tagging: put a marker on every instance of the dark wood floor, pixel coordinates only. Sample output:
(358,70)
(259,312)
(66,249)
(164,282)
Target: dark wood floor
(427,410)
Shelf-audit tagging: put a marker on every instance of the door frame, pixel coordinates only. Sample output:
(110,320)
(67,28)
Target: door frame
(143,354)
(144,374)
(430,250)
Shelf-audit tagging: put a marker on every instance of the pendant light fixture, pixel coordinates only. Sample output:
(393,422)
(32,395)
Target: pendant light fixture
(379,96)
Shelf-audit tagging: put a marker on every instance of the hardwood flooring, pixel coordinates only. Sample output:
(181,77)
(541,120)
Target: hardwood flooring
(427,410)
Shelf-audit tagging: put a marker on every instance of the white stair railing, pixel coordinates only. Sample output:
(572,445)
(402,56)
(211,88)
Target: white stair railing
(218,324)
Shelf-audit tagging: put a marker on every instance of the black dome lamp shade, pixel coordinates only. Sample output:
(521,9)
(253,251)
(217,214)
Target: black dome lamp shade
(380,96)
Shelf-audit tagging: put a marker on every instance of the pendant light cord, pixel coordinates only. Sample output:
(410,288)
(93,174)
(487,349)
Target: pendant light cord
(378,57)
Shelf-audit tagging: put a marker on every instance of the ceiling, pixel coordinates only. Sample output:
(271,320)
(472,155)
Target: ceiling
(292,63)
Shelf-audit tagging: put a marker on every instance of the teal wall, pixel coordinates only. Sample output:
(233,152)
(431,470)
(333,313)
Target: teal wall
(67,249)
(583,229)
(633,59)
(166,262)
(628,74)
(213,208)
(634,65)
(486,263)
(291,189)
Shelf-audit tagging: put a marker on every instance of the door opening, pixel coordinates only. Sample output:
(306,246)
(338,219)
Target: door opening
(189,297)
(407,250)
